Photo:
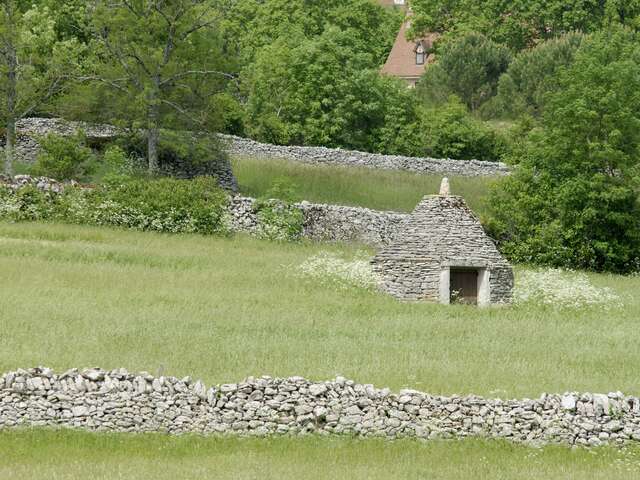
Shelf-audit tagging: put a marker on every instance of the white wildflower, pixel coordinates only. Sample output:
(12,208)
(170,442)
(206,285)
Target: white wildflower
(562,288)
(332,269)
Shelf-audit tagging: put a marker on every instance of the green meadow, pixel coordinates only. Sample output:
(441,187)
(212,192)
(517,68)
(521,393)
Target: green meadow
(68,455)
(354,186)
(221,309)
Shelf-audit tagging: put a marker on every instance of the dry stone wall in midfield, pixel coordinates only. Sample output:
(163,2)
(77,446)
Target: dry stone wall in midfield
(324,222)
(337,156)
(119,401)
(321,222)
(29,129)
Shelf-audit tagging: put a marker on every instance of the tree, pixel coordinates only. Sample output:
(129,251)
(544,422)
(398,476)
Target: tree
(251,24)
(521,24)
(468,67)
(322,91)
(35,66)
(449,131)
(162,59)
(573,199)
(532,75)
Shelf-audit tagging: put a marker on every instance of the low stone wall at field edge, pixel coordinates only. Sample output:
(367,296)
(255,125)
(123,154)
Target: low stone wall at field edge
(119,401)
(336,156)
(321,222)
(324,222)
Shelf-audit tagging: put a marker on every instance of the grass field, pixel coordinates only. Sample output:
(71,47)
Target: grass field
(377,189)
(221,309)
(72,455)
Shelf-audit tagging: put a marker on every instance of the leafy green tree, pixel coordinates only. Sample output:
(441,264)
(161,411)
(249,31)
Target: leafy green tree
(251,24)
(449,131)
(35,65)
(162,62)
(522,23)
(468,67)
(532,75)
(573,199)
(72,17)
(322,91)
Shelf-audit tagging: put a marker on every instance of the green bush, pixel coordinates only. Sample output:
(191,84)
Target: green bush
(162,205)
(115,159)
(165,205)
(27,204)
(64,158)
(278,218)
(451,132)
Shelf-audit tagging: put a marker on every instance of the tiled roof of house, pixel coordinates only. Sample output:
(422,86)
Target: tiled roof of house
(402,59)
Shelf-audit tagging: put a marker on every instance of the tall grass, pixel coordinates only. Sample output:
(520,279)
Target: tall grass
(377,189)
(64,455)
(221,309)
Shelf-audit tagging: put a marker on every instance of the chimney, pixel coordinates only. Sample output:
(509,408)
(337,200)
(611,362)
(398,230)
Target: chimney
(445,190)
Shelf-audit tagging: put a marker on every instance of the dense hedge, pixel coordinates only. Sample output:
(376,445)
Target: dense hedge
(162,205)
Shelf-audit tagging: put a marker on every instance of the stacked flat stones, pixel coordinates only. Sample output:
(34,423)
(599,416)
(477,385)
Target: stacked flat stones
(442,231)
(119,401)
(322,222)
(336,156)
(29,129)
(41,183)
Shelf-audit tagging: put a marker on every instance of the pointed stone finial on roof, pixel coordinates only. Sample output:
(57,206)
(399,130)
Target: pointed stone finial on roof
(445,190)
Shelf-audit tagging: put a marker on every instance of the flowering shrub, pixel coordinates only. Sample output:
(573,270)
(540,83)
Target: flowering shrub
(26,204)
(331,269)
(562,288)
(162,205)
(278,218)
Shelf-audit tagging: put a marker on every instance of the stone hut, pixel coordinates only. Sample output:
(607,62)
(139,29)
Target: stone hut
(442,254)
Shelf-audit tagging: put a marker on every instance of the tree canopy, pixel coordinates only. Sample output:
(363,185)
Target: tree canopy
(522,23)
(35,64)
(322,91)
(160,59)
(573,200)
(468,67)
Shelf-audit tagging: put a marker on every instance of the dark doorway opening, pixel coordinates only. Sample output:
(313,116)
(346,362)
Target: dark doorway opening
(463,286)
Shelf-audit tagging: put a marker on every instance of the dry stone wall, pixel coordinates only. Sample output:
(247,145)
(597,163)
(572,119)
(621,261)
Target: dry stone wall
(27,149)
(336,156)
(119,401)
(324,222)
(321,222)
(30,129)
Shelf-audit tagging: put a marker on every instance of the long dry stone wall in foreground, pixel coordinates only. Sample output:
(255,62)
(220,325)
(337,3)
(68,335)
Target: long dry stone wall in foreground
(119,401)
(336,156)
